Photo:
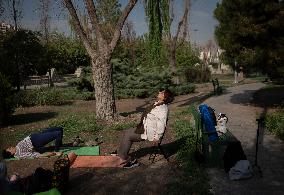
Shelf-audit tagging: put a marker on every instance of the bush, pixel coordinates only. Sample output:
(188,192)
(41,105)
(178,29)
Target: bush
(183,89)
(39,97)
(197,75)
(84,83)
(147,84)
(275,124)
(6,98)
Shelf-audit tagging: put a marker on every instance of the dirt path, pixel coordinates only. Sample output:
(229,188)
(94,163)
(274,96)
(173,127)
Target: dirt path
(242,123)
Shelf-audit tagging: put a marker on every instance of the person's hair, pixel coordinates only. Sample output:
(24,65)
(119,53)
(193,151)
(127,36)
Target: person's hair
(169,96)
(7,154)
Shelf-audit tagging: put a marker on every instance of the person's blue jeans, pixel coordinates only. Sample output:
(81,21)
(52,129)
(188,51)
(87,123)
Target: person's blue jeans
(39,140)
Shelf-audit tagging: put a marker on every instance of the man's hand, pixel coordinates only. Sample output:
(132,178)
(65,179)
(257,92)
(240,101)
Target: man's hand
(155,142)
(58,153)
(49,154)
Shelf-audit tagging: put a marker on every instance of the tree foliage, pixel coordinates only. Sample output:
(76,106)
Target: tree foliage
(252,33)
(20,52)
(63,53)
(6,98)
(108,12)
(157,13)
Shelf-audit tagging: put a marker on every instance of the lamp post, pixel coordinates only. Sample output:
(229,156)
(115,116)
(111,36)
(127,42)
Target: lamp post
(195,36)
(236,74)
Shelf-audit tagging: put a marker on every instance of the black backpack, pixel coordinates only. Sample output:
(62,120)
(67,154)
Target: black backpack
(233,153)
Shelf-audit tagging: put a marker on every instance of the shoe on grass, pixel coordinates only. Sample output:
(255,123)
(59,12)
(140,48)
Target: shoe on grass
(131,164)
(77,141)
(114,153)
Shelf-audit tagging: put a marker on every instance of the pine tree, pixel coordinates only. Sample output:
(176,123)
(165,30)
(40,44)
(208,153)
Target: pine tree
(252,33)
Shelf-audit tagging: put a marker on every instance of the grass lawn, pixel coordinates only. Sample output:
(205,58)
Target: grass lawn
(78,118)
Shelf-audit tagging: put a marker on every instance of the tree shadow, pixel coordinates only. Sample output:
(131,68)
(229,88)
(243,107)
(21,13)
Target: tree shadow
(269,97)
(193,99)
(138,109)
(21,119)
(242,98)
(169,148)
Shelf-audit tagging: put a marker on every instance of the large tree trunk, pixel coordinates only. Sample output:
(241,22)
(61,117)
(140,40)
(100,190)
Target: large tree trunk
(104,89)
(101,55)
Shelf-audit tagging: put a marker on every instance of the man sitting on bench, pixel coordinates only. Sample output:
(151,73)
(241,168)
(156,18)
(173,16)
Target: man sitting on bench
(151,127)
(33,145)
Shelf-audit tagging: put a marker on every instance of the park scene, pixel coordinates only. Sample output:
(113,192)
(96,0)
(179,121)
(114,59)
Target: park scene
(141,97)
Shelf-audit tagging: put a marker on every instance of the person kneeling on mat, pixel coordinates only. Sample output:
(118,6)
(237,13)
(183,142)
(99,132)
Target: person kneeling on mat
(33,145)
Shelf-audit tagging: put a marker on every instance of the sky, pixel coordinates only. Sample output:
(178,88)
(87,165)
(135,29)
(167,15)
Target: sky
(202,22)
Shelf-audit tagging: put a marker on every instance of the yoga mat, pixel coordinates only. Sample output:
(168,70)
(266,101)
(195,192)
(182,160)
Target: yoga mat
(96,161)
(82,151)
(79,151)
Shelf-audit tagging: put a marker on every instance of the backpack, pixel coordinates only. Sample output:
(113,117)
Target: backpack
(60,176)
(209,120)
(233,153)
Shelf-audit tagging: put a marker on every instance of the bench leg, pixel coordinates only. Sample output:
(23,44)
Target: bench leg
(155,151)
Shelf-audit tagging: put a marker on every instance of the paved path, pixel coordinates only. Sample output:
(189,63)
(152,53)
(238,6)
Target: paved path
(242,116)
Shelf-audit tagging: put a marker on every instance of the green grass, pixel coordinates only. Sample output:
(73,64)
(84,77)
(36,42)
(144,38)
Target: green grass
(194,178)
(76,123)
(121,126)
(274,123)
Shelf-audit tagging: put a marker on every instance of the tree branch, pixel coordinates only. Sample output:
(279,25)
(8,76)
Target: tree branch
(181,23)
(119,25)
(94,20)
(79,29)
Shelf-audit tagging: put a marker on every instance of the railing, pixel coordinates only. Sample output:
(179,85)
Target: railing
(40,80)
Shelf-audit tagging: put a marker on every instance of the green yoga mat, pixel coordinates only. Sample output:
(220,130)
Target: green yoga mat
(82,151)
(79,151)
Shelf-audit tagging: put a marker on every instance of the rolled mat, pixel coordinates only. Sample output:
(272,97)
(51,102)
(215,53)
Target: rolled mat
(96,161)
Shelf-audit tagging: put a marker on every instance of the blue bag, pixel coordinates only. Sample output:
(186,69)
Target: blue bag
(209,121)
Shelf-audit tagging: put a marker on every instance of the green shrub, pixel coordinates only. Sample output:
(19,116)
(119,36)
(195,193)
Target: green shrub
(71,93)
(38,97)
(275,124)
(197,75)
(82,84)
(6,98)
(183,89)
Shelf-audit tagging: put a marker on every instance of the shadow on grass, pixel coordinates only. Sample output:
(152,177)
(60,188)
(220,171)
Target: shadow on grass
(21,119)
(169,148)
(269,97)
(193,99)
(139,109)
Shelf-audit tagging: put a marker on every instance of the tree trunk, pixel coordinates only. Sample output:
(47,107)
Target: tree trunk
(173,65)
(104,89)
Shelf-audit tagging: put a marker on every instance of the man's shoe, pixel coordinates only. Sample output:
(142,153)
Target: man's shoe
(114,153)
(77,141)
(131,164)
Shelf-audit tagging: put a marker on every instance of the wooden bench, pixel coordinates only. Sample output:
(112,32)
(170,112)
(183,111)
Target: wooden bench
(217,88)
(212,152)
